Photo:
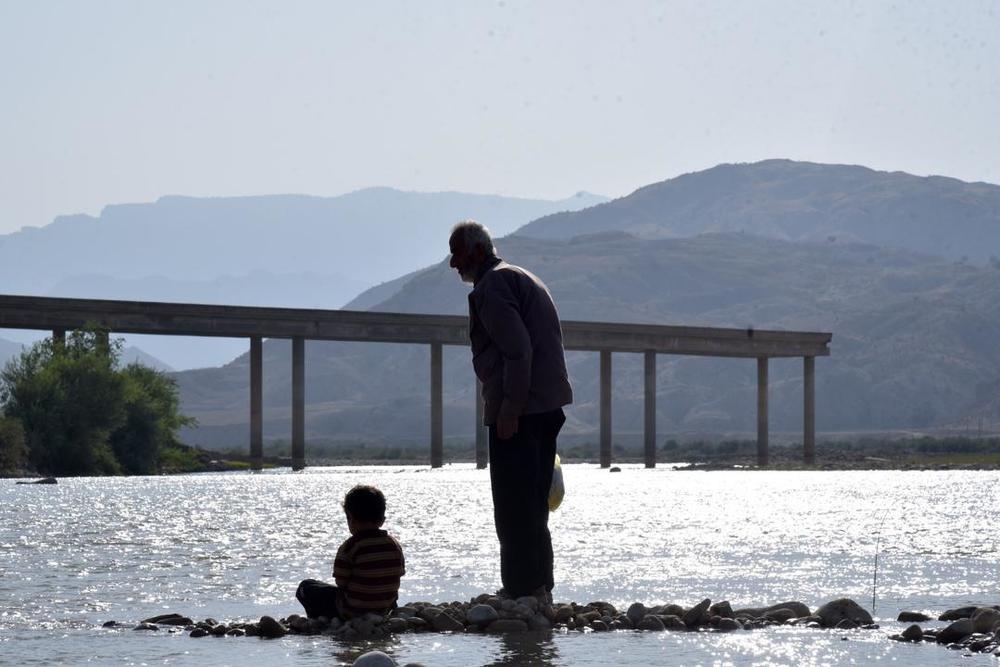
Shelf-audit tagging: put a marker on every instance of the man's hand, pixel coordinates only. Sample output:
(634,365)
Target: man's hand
(506,426)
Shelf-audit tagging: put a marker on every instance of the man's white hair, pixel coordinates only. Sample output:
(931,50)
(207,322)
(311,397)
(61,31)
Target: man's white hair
(471,233)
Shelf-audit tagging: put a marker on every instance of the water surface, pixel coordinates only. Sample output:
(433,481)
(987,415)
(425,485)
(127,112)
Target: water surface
(235,545)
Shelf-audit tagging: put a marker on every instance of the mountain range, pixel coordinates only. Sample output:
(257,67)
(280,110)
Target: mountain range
(285,250)
(900,268)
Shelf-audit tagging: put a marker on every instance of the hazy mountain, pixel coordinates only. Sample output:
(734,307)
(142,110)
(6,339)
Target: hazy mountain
(283,250)
(369,236)
(802,201)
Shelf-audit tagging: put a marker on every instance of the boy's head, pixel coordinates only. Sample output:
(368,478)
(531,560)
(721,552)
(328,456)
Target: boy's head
(365,508)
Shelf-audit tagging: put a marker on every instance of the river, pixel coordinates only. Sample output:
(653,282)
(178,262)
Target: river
(235,545)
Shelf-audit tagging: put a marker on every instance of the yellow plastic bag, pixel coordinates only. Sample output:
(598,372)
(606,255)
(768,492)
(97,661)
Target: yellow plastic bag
(558,489)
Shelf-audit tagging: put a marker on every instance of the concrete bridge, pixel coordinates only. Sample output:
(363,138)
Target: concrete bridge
(176,319)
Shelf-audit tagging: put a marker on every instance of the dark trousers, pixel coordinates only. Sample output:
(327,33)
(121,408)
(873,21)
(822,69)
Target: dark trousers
(520,476)
(318,598)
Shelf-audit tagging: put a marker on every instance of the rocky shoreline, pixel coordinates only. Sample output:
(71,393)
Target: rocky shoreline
(974,629)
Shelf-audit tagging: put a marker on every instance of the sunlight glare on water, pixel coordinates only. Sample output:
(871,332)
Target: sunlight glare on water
(234,546)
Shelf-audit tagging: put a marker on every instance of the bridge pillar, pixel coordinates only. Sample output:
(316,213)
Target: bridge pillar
(437,407)
(59,337)
(482,447)
(605,408)
(762,454)
(298,403)
(649,430)
(809,410)
(256,404)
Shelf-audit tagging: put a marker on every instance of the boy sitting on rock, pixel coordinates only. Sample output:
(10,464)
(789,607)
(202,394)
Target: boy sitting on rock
(367,568)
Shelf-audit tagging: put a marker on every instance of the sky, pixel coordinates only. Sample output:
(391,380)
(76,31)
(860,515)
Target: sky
(109,102)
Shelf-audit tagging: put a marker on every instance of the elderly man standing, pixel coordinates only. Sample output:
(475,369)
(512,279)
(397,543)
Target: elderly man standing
(518,356)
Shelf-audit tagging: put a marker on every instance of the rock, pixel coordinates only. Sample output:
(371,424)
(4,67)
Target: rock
(758,612)
(606,608)
(218,630)
(955,632)
(374,659)
(956,614)
(599,626)
(299,624)
(650,622)
(397,625)
(198,632)
(111,624)
(698,614)
(564,613)
(44,480)
(417,624)
(146,626)
(270,628)
(539,622)
(984,619)
(672,622)
(912,617)
(727,624)
(428,613)
(404,612)
(445,622)
(835,611)
(507,625)
(723,609)
(529,601)
(780,615)
(846,624)
(913,633)
(615,469)
(636,612)
(236,632)
(169,619)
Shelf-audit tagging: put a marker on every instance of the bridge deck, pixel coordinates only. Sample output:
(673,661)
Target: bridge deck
(301,324)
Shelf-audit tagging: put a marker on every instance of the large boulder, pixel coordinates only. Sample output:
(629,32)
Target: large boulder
(445,622)
(636,612)
(956,614)
(985,619)
(270,628)
(835,611)
(955,632)
(481,615)
(698,614)
(651,622)
(912,617)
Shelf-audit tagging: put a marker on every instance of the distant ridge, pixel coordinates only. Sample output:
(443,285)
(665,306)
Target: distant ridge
(803,201)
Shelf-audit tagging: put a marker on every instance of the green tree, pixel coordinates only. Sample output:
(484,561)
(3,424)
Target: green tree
(152,417)
(69,399)
(13,451)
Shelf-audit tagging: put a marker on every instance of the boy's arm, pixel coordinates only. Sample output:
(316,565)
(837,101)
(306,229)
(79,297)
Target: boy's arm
(342,565)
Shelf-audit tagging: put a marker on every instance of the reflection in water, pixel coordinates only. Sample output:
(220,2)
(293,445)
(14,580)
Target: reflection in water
(528,648)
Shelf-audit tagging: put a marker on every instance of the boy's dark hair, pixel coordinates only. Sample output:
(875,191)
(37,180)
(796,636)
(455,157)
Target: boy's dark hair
(365,503)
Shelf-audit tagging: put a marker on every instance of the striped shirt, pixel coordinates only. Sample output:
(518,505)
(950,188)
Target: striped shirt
(367,570)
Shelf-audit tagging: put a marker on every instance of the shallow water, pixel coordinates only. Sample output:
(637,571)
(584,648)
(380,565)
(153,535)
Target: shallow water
(235,545)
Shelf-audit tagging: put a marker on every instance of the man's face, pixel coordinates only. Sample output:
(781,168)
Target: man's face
(465,260)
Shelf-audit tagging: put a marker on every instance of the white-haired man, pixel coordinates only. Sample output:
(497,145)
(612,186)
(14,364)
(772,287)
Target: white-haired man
(517,354)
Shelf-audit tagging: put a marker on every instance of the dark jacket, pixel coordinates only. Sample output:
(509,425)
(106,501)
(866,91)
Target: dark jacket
(516,343)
